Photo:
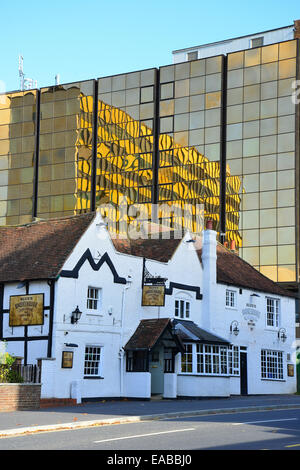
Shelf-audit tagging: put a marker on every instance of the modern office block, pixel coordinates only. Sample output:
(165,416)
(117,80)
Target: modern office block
(219,130)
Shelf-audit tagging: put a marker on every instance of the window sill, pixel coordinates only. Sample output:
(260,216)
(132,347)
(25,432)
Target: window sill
(190,374)
(91,377)
(272,380)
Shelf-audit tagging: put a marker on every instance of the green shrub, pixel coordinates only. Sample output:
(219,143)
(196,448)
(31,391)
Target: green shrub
(7,373)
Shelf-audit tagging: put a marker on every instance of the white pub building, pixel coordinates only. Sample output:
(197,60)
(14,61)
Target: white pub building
(109,318)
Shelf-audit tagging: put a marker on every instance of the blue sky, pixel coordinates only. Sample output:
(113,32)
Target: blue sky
(87,39)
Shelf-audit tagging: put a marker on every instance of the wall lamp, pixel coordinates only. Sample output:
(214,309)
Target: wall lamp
(76,314)
(234,328)
(282,335)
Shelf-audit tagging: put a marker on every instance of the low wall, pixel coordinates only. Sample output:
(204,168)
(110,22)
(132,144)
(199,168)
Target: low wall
(203,386)
(137,385)
(23,396)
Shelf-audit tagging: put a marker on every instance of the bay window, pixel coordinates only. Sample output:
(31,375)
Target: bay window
(204,359)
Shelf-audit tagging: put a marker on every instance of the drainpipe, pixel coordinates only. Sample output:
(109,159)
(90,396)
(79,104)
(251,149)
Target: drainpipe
(121,350)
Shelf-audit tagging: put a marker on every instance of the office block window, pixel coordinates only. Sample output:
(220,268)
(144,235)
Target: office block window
(257,42)
(261,157)
(65,160)
(17,156)
(192,55)
(190,135)
(125,140)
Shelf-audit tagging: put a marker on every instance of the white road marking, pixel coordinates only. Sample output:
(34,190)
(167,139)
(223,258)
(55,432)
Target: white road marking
(144,435)
(265,421)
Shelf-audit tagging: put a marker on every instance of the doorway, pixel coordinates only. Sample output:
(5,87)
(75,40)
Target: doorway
(244,377)
(156,368)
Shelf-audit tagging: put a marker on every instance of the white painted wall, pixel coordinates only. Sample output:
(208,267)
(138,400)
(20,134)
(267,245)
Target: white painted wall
(137,384)
(198,386)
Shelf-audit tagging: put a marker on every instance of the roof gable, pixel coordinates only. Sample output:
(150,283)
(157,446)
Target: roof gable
(148,333)
(40,249)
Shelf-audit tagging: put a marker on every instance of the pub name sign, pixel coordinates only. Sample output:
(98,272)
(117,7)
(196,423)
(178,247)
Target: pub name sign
(26,310)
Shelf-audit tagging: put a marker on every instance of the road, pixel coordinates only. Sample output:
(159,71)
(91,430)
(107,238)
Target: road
(264,430)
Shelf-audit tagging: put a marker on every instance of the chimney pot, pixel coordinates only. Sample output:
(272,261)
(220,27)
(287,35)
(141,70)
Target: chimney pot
(232,245)
(209,225)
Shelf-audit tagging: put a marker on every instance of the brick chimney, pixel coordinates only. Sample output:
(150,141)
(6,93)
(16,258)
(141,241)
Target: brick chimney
(297,29)
(209,261)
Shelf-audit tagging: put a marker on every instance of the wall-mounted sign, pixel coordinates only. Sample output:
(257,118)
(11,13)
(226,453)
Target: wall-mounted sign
(26,310)
(67,360)
(251,314)
(153,296)
(290,370)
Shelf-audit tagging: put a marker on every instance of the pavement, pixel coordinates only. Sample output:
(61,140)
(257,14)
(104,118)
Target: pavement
(109,412)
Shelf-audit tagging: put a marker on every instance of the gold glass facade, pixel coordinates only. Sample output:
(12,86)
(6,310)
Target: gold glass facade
(124,165)
(17,150)
(219,131)
(261,152)
(65,150)
(190,134)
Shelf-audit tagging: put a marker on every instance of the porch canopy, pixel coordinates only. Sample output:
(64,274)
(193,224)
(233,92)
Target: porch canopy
(188,331)
(171,334)
(148,335)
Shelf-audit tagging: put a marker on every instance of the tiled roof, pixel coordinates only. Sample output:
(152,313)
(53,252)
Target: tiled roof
(233,270)
(147,334)
(39,250)
(192,332)
(156,249)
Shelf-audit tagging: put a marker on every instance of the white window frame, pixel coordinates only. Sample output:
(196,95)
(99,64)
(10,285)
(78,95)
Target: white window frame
(94,299)
(182,308)
(93,363)
(204,359)
(231,298)
(272,312)
(271,365)
(234,360)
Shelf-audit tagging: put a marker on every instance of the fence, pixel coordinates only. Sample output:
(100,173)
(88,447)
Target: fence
(30,373)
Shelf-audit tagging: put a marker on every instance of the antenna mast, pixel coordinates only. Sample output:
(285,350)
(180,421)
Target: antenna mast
(25,83)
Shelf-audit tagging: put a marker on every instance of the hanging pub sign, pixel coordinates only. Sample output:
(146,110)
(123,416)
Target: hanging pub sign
(26,310)
(153,296)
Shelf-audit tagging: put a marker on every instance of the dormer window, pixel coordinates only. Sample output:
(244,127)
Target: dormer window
(182,308)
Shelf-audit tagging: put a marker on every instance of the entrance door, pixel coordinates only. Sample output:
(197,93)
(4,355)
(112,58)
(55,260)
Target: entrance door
(244,380)
(157,371)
